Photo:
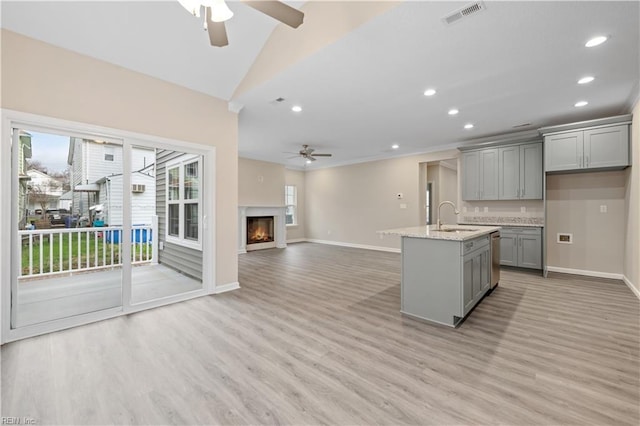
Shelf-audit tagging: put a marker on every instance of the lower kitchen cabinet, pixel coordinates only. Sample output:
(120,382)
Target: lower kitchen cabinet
(476,274)
(521,247)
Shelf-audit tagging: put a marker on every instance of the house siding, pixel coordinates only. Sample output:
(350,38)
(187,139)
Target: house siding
(184,259)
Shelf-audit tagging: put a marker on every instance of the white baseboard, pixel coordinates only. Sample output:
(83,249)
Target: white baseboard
(633,288)
(297,240)
(242,251)
(226,287)
(360,246)
(596,274)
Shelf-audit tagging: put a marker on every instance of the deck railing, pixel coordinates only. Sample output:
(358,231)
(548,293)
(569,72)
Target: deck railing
(55,251)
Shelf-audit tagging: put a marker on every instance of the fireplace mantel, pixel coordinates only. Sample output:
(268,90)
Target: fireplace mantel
(280,228)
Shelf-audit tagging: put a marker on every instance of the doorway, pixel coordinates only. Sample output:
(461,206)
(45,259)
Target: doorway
(101,225)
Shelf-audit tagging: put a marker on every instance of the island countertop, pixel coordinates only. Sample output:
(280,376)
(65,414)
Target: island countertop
(448,232)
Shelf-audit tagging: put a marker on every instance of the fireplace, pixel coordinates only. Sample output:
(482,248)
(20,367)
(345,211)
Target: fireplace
(275,232)
(260,232)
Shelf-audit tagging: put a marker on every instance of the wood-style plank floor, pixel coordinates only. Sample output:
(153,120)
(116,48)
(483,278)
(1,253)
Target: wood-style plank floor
(314,336)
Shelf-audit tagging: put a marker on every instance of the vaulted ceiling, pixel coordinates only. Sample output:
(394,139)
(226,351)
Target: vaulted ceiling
(359,70)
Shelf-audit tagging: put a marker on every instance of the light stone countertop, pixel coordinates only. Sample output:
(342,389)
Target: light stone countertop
(462,233)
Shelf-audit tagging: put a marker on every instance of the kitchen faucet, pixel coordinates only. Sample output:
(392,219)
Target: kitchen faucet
(455,210)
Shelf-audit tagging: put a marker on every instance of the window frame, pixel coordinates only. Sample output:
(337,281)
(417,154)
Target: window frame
(180,163)
(294,206)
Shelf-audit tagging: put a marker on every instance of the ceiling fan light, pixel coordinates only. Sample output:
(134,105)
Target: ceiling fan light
(220,12)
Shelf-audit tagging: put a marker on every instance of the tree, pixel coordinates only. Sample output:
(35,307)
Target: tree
(64,177)
(37,165)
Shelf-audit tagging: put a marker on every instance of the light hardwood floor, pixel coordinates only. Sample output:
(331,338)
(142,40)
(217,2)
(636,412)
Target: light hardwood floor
(314,336)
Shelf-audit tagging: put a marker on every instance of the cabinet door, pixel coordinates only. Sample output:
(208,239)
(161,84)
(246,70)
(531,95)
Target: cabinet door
(470,175)
(531,172)
(467,283)
(508,248)
(509,172)
(489,174)
(530,251)
(485,271)
(563,151)
(477,275)
(606,147)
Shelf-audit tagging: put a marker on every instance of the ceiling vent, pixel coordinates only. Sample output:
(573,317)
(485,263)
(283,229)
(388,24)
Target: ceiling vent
(469,9)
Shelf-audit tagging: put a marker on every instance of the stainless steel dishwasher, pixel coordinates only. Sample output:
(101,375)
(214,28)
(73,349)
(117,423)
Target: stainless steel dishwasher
(495,259)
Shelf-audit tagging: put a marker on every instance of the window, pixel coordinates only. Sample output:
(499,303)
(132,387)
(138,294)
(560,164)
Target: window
(109,153)
(291,202)
(183,201)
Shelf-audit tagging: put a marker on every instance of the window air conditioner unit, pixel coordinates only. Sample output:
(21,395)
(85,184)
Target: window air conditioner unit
(136,187)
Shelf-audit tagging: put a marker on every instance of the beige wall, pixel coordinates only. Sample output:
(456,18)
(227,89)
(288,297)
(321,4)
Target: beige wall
(573,206)
(632,207)
(42,79)
(349,204)
(260,183)
(297,179)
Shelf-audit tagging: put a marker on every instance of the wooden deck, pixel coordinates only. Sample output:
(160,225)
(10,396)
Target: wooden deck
(44,299)
(315,336)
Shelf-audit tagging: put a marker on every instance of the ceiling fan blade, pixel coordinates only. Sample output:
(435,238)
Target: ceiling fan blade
(310,158)
(217,31)
(278,10)
(323,155)
(292,157)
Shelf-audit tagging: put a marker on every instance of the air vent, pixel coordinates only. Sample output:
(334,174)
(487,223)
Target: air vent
(137,188)
(464,12)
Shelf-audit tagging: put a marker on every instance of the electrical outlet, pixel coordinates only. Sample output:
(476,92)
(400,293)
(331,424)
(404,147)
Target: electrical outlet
(477,210)
(161,245)
(328,232)
(603,208)
(486,209)
(523,209)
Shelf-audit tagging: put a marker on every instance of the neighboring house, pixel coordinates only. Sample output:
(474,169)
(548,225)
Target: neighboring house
(24,152)
(143,198)
(43,191)
(96,178)
(64,202)
(178,198)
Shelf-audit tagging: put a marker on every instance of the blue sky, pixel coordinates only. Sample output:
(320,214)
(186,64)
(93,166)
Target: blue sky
(50,150)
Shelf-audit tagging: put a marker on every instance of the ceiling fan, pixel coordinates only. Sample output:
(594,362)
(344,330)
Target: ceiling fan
(217,12)
(309,154)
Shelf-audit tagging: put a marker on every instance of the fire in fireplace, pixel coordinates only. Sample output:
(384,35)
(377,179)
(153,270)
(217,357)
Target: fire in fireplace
(260,229)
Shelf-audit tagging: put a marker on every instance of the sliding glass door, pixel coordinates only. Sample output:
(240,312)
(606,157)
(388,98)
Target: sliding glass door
(102,225)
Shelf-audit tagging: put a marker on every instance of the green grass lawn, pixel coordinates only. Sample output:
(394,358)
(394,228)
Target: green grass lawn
(83,254)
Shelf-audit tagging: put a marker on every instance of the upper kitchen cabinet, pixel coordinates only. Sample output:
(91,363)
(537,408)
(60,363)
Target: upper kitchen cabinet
(520,172)
(480,174)
(593,145)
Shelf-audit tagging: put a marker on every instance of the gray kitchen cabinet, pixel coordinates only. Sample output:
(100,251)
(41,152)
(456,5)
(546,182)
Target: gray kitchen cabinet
(442,280)
(520,172)
(480,174)
(521,247)
(592,148)
(476,275)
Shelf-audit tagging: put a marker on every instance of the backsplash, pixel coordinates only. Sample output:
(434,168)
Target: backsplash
(503,220)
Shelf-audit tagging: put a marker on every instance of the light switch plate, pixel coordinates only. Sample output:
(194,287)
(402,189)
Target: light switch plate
(603,208)
(477,210)
(486,209)
(403,206)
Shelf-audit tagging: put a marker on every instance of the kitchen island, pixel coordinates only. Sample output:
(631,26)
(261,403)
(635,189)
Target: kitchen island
(445,272)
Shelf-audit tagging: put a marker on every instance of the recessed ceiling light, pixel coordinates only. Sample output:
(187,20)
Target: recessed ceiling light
(296,108)
(585,80)
(430,92)
(453,111)
(468,126)
(581,104)
(395,146)
(596,41)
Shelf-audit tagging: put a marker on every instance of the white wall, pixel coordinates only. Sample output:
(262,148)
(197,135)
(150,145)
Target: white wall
(632,208)
(349,204)
(260,183)
(573,206)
